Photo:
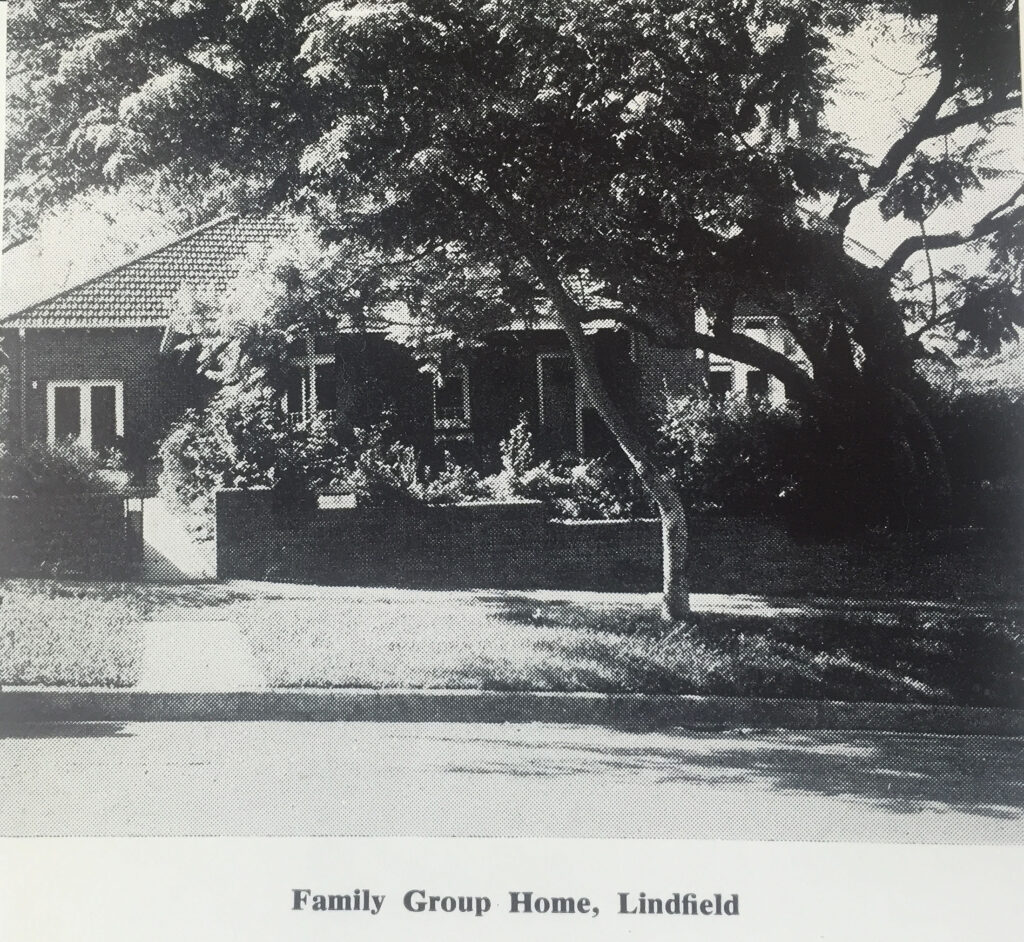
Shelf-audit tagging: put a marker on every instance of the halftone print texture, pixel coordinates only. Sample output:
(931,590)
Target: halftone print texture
(578,418)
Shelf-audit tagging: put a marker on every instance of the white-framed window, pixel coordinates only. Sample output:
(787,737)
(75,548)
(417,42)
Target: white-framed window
(727,377)
(560,399)
(91,411)
(451,399)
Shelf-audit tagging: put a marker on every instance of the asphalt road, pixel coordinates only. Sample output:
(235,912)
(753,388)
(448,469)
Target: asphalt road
(461,780)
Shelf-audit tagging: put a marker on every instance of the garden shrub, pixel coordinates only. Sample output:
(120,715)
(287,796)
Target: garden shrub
(982,431)
(66,515)
(839,474)
(585,488)
(379,470)
(247,441)
(382,471)
(454,483)
(734,456)
(244,439)
(982,434)
(825,477)
(63,468)
(518,455)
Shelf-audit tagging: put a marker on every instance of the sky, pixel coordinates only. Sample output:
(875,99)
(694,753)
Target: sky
(883,94)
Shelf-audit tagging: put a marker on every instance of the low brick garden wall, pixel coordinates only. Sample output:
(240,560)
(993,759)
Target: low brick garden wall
(84,535)
(516,546)
(494,545)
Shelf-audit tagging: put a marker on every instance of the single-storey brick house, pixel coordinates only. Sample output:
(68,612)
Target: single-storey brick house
(87,362)
(96,362)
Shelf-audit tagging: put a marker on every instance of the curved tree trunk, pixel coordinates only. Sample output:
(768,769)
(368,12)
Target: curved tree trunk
(675,598)
(675,593)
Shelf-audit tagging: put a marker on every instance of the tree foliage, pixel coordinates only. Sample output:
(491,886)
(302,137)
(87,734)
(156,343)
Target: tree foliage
(659,155)
(643,160)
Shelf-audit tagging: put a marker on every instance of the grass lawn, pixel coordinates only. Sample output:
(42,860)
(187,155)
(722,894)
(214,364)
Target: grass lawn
(70,634)
(515,641)
(86,634)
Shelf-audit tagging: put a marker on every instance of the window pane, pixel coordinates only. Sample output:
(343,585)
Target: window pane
(67,412)
(719,384)
(104,417)
(293,391)
(757,385)
(558,433)
(449,398)
(326,387)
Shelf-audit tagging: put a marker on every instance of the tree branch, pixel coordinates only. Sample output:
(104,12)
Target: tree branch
(16,241)
(196,68)
(927,126)
(988,225)
(738,347)
(973,114)
(900,149)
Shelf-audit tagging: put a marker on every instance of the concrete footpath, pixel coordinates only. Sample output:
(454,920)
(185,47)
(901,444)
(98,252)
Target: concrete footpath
(190,656)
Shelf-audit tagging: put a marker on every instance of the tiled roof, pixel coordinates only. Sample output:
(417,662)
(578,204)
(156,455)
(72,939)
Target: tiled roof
(139,292)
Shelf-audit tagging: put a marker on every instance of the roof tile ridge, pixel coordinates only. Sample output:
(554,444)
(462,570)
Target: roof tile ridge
(120,266)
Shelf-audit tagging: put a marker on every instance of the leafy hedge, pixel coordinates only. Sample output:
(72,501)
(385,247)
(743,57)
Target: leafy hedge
(834,477)
(982,433)
(243,439)
(734,456)
(60,469)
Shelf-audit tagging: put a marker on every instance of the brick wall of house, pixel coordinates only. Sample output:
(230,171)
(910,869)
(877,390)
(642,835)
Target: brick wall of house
(512,546)
(158,388)
(374,373)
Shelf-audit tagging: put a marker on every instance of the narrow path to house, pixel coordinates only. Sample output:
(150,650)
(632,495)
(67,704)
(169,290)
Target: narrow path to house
(170,552)
(197,656)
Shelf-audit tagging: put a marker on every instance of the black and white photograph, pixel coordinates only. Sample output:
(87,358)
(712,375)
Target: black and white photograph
(592,427)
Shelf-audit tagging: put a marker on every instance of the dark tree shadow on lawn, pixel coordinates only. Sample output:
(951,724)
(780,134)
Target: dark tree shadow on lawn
(901,653)
(907,774)
(63,730)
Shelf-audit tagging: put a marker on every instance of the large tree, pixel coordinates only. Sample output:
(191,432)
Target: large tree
(639,159)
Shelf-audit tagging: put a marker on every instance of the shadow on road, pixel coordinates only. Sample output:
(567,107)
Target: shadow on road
(901,773)
(42,730)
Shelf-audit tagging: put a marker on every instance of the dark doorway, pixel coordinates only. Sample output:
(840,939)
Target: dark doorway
(558,406)
(757,386)
(719,384)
